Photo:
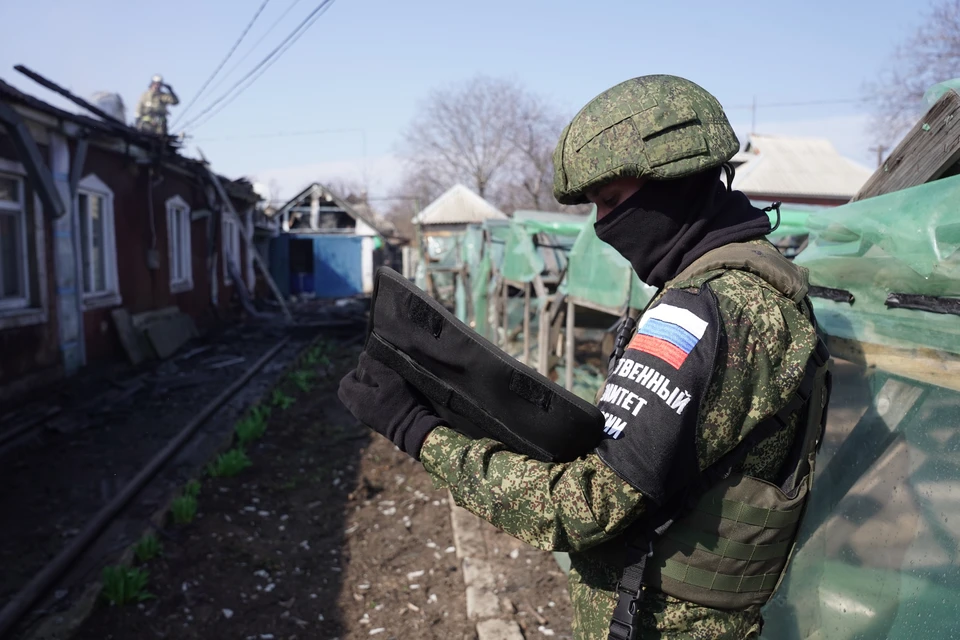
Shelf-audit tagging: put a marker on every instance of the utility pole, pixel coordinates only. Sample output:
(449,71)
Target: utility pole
(880,149)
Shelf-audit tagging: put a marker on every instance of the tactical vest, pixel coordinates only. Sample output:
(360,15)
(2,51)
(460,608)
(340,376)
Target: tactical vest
(727,544)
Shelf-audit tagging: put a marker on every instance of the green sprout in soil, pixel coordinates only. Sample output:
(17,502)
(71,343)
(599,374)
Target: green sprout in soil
(184,509)
(148,548)
(301,379)
(252,427)
(125,584)
(280,399)
(312,357)
(192,489)
(229,464)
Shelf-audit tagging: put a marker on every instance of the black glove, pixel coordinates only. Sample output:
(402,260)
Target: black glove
(381,399)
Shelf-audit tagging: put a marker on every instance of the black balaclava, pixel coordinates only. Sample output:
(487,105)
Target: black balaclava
(667,224)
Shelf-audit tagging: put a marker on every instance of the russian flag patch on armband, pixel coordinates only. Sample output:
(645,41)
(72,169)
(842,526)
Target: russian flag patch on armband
(669,333)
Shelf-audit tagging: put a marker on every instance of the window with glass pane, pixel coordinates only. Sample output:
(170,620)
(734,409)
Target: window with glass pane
(178,229)
(13,276)
(231,246)
(176,236)
(10,190)
(96,243)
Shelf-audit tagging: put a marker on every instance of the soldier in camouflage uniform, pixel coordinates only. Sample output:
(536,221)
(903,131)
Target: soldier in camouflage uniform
(648,153)
(151,114)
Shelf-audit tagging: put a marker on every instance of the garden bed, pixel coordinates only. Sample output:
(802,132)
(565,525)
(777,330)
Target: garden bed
(330,533)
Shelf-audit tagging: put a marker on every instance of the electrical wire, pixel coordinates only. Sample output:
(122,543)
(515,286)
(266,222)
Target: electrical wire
(278,134)
(256,44)
(792,104)
(236,44)
(199,123)
(263,65)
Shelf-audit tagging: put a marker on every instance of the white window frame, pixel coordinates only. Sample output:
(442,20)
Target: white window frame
(35,310)
(20,211)
(92,185)
(230,244)
(178,206)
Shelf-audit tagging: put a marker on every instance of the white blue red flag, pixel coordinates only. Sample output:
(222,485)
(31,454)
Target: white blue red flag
(669,333)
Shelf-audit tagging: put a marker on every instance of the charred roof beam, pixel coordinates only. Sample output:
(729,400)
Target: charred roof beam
(29,154)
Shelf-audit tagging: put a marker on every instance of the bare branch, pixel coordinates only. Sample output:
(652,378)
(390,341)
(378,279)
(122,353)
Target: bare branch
(490,134)
(929,56)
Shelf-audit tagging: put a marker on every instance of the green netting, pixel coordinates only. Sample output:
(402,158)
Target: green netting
(471,248)
(934,93)
(561,223)
(479,285)
(903,242)
(878,550)
(444,251)
(521,260)
(793,222)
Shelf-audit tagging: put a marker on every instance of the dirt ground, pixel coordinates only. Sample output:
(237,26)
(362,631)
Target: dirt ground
(112,422)
(332,533)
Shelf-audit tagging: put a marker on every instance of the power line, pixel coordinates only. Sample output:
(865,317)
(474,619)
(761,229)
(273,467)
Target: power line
(197,123)
(264,64)
(236,44)
(279,134)
(792,104)
(256,44)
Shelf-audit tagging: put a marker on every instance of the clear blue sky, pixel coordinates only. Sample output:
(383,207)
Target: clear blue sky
(367,64)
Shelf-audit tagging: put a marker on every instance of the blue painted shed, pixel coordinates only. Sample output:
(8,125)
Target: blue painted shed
(329,266)
(328,247)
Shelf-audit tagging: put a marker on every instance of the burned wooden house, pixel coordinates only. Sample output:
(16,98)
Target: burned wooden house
(98,222)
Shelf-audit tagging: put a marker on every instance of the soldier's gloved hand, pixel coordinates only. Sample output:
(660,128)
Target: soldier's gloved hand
(381,399)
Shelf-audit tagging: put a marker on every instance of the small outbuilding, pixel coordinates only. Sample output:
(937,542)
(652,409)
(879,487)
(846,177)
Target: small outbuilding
(329,247)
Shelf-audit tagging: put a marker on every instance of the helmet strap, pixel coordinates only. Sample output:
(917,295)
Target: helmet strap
(731,172)
(775,205)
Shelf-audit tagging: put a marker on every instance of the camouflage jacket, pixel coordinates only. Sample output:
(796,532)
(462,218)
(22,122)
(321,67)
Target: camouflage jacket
(153,104)
(583,507)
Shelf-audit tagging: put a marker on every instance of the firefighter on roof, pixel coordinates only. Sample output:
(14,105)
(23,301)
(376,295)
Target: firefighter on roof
(151,115)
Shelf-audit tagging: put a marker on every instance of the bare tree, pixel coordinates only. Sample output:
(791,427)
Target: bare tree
(489,134)
(346,188)
(273,192)
(535,137)
(929,56)
(413,194)
(465,134)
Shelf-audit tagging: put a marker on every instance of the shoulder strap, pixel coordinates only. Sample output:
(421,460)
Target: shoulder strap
(759,258)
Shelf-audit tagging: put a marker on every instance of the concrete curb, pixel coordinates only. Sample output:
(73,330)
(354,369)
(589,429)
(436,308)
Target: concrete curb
(483,604)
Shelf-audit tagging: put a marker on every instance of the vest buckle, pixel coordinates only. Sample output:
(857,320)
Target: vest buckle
(623,624)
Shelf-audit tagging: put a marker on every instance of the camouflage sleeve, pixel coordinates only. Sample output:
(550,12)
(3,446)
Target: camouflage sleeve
(553,506)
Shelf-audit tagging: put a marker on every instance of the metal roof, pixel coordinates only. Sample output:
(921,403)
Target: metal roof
(458,205)
(549,216)
(785,166)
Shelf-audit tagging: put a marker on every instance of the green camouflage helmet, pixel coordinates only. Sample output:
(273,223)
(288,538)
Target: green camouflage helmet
(661,127)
